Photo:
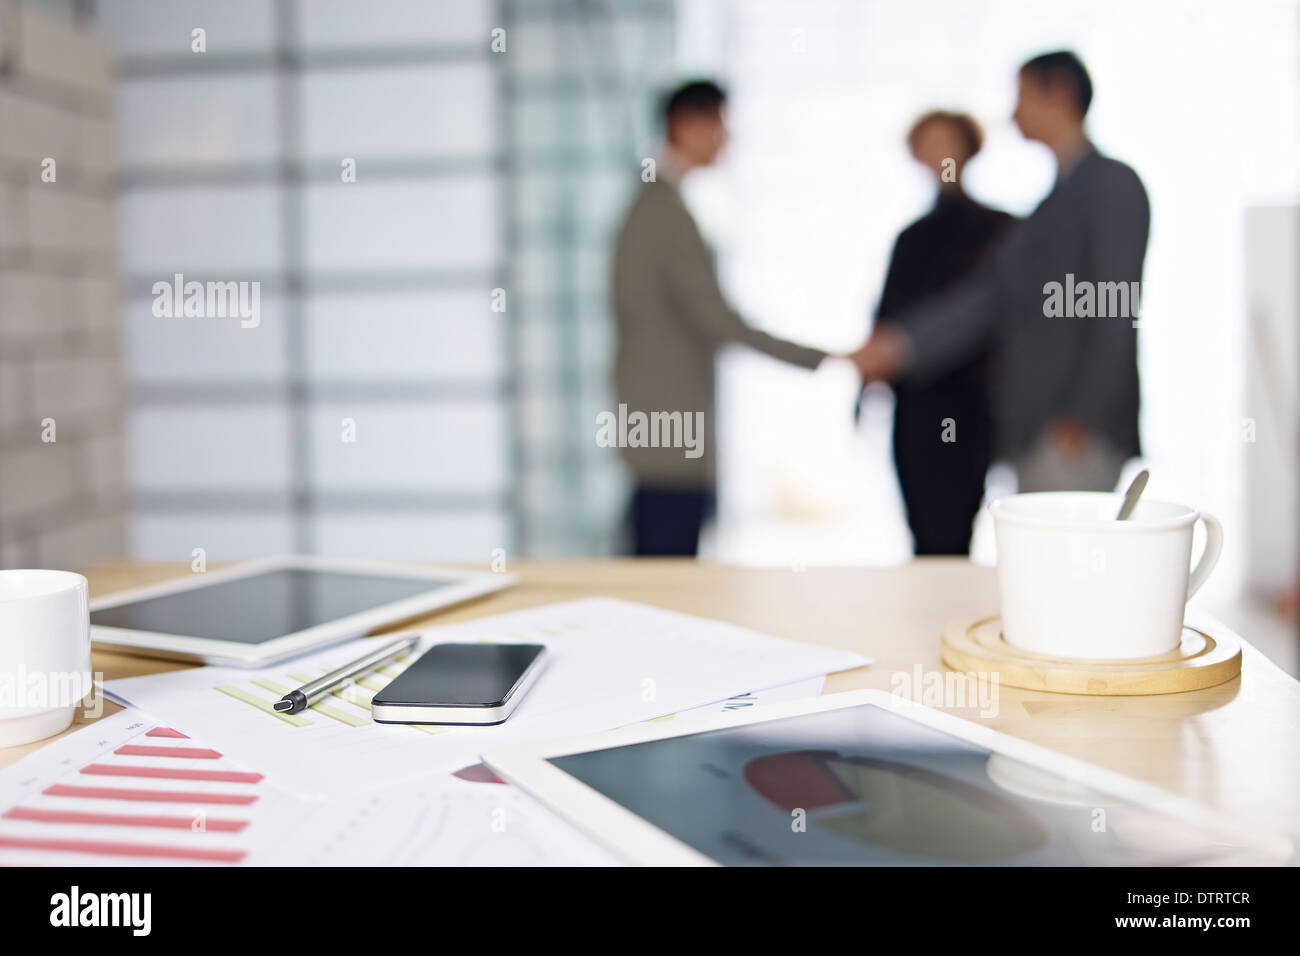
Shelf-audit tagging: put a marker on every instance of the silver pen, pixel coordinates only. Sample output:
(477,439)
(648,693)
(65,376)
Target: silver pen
(308,693)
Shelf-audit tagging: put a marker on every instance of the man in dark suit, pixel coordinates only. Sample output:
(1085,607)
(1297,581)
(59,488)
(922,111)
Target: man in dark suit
(1059,303)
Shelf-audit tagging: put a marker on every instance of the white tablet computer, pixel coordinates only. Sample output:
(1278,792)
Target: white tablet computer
(865,778)
(260,612)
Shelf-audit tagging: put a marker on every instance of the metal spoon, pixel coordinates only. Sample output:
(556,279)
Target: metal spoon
(1135,489)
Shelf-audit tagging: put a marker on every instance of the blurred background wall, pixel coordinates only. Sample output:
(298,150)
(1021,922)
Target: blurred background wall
(426,191)
(63,495)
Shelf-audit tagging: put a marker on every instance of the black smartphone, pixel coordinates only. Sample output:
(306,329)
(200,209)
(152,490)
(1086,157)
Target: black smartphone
(461,684)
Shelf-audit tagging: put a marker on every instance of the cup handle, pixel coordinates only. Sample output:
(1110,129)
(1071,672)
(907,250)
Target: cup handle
(1210,556)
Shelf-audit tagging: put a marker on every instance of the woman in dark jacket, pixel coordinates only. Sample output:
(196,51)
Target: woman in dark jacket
(942,431)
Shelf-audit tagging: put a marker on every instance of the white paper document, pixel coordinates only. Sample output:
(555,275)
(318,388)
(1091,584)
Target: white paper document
(468,818)
(611,663)
(129,791)
(798,690)
(438,820)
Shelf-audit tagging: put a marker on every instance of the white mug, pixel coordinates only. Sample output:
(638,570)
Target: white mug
(44,653)
(1076,583)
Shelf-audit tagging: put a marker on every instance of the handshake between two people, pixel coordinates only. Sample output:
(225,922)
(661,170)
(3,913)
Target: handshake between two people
(883,357)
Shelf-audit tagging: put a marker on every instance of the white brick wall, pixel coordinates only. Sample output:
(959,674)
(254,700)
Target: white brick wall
(28,300)
(59,54)
(62,503)
(34,128)
(13,214)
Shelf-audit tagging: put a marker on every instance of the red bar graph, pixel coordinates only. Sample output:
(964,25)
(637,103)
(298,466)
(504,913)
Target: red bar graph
(48,828)
(37,815)
(154,796)
(171,773)
(191,753)
(108,848)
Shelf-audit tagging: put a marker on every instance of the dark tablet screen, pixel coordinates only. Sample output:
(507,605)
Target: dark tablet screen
(262,607)
(864,785)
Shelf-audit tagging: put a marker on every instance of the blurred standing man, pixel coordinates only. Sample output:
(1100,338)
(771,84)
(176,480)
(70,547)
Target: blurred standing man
(943,436)
(672,319)
(1061,300)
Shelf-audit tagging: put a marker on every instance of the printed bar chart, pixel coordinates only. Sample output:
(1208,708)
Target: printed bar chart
(107,848)
(119,819)
(151,796)
(155,780)
(194,753)
(171,773)
(356,695)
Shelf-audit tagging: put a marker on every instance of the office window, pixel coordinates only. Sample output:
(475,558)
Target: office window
(817,183)
(231,232)
(447,223)
(447,337)
(198,120)
(381,173)
(333,25)
(161,29)
(169,352)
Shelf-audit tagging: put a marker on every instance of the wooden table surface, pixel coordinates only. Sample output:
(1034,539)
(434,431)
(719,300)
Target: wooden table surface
(1235,746)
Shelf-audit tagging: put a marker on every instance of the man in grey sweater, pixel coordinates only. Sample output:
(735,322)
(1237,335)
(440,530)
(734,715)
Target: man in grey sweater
(1059,303)
(672,318)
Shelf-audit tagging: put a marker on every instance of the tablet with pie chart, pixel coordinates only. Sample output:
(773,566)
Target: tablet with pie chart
(866,778)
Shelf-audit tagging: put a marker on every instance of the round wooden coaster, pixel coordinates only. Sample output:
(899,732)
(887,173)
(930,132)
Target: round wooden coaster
(1201,660)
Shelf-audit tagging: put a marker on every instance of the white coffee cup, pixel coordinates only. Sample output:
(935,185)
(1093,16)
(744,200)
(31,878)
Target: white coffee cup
(44,652)
(1076,583)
